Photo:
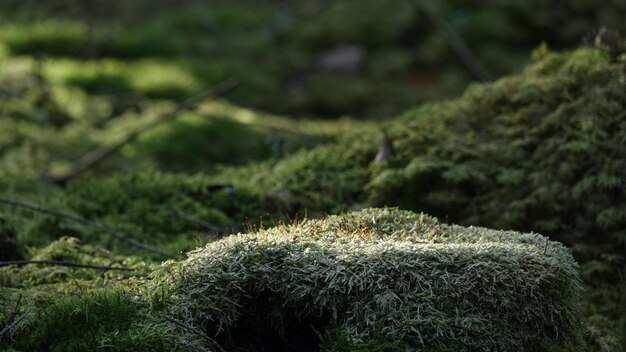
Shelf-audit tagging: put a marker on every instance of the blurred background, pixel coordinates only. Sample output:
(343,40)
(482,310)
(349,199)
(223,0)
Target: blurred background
(77,74)
(89,78)
(363,58)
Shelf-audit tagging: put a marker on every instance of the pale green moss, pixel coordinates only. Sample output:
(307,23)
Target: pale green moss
(381,277)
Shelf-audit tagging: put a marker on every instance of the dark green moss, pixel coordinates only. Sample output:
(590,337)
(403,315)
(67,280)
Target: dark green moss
(276,49)
(99,319)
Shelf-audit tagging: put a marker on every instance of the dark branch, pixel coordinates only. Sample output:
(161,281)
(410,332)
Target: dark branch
(12,323)
(204,224)
(14,314)
(62,263)
(455,41)
(118,235)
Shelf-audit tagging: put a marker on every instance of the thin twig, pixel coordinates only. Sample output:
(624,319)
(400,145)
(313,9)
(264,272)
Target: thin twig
(210,229)
(195,331)
(62,263)
(118,235)
(454,39)
(108,267)
(95,156)
(15,310)
(12,322)
(202,223)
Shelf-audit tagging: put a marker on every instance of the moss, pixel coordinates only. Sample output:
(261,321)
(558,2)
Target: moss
(521,153)
(540,151)
(51,37)
(8,245)
(105,318)
(378,279)
(58,308)
(535,152)
(381,277)
(57,110)
(216,140)
(160,208)
(276,48)
(69,249)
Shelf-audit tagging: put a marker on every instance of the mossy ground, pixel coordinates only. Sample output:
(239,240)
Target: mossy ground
(539,151)
(472,160)
(171,49)
(377,280)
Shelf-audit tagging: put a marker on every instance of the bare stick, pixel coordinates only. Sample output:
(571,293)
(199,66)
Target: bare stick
(62,263)
(97,155)
(454,39)
(12,322)
(15,310)
(118,235)
(196,221)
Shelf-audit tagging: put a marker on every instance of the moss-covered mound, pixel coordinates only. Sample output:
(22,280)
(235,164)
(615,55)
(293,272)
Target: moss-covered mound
(540,151)
(380,279)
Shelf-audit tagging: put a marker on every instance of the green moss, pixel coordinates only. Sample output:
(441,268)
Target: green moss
(535,152)
(540,151)
(381,277)
(217,140)
(276,48)
(49,37)
(69,249)
(8,245)
(99,319)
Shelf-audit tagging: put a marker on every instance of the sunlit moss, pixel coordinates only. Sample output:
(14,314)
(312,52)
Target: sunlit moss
(381,277)
(48,36)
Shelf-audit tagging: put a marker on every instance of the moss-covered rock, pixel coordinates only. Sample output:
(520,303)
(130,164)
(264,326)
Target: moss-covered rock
(374,280)
(380,279)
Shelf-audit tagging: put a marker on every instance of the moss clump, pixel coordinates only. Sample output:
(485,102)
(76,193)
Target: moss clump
(69,250)
(380,279)
(542,151)
(105,318)
(46,307)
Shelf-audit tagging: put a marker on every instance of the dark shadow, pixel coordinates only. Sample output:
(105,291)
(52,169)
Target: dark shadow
(265,327)
(8,245)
